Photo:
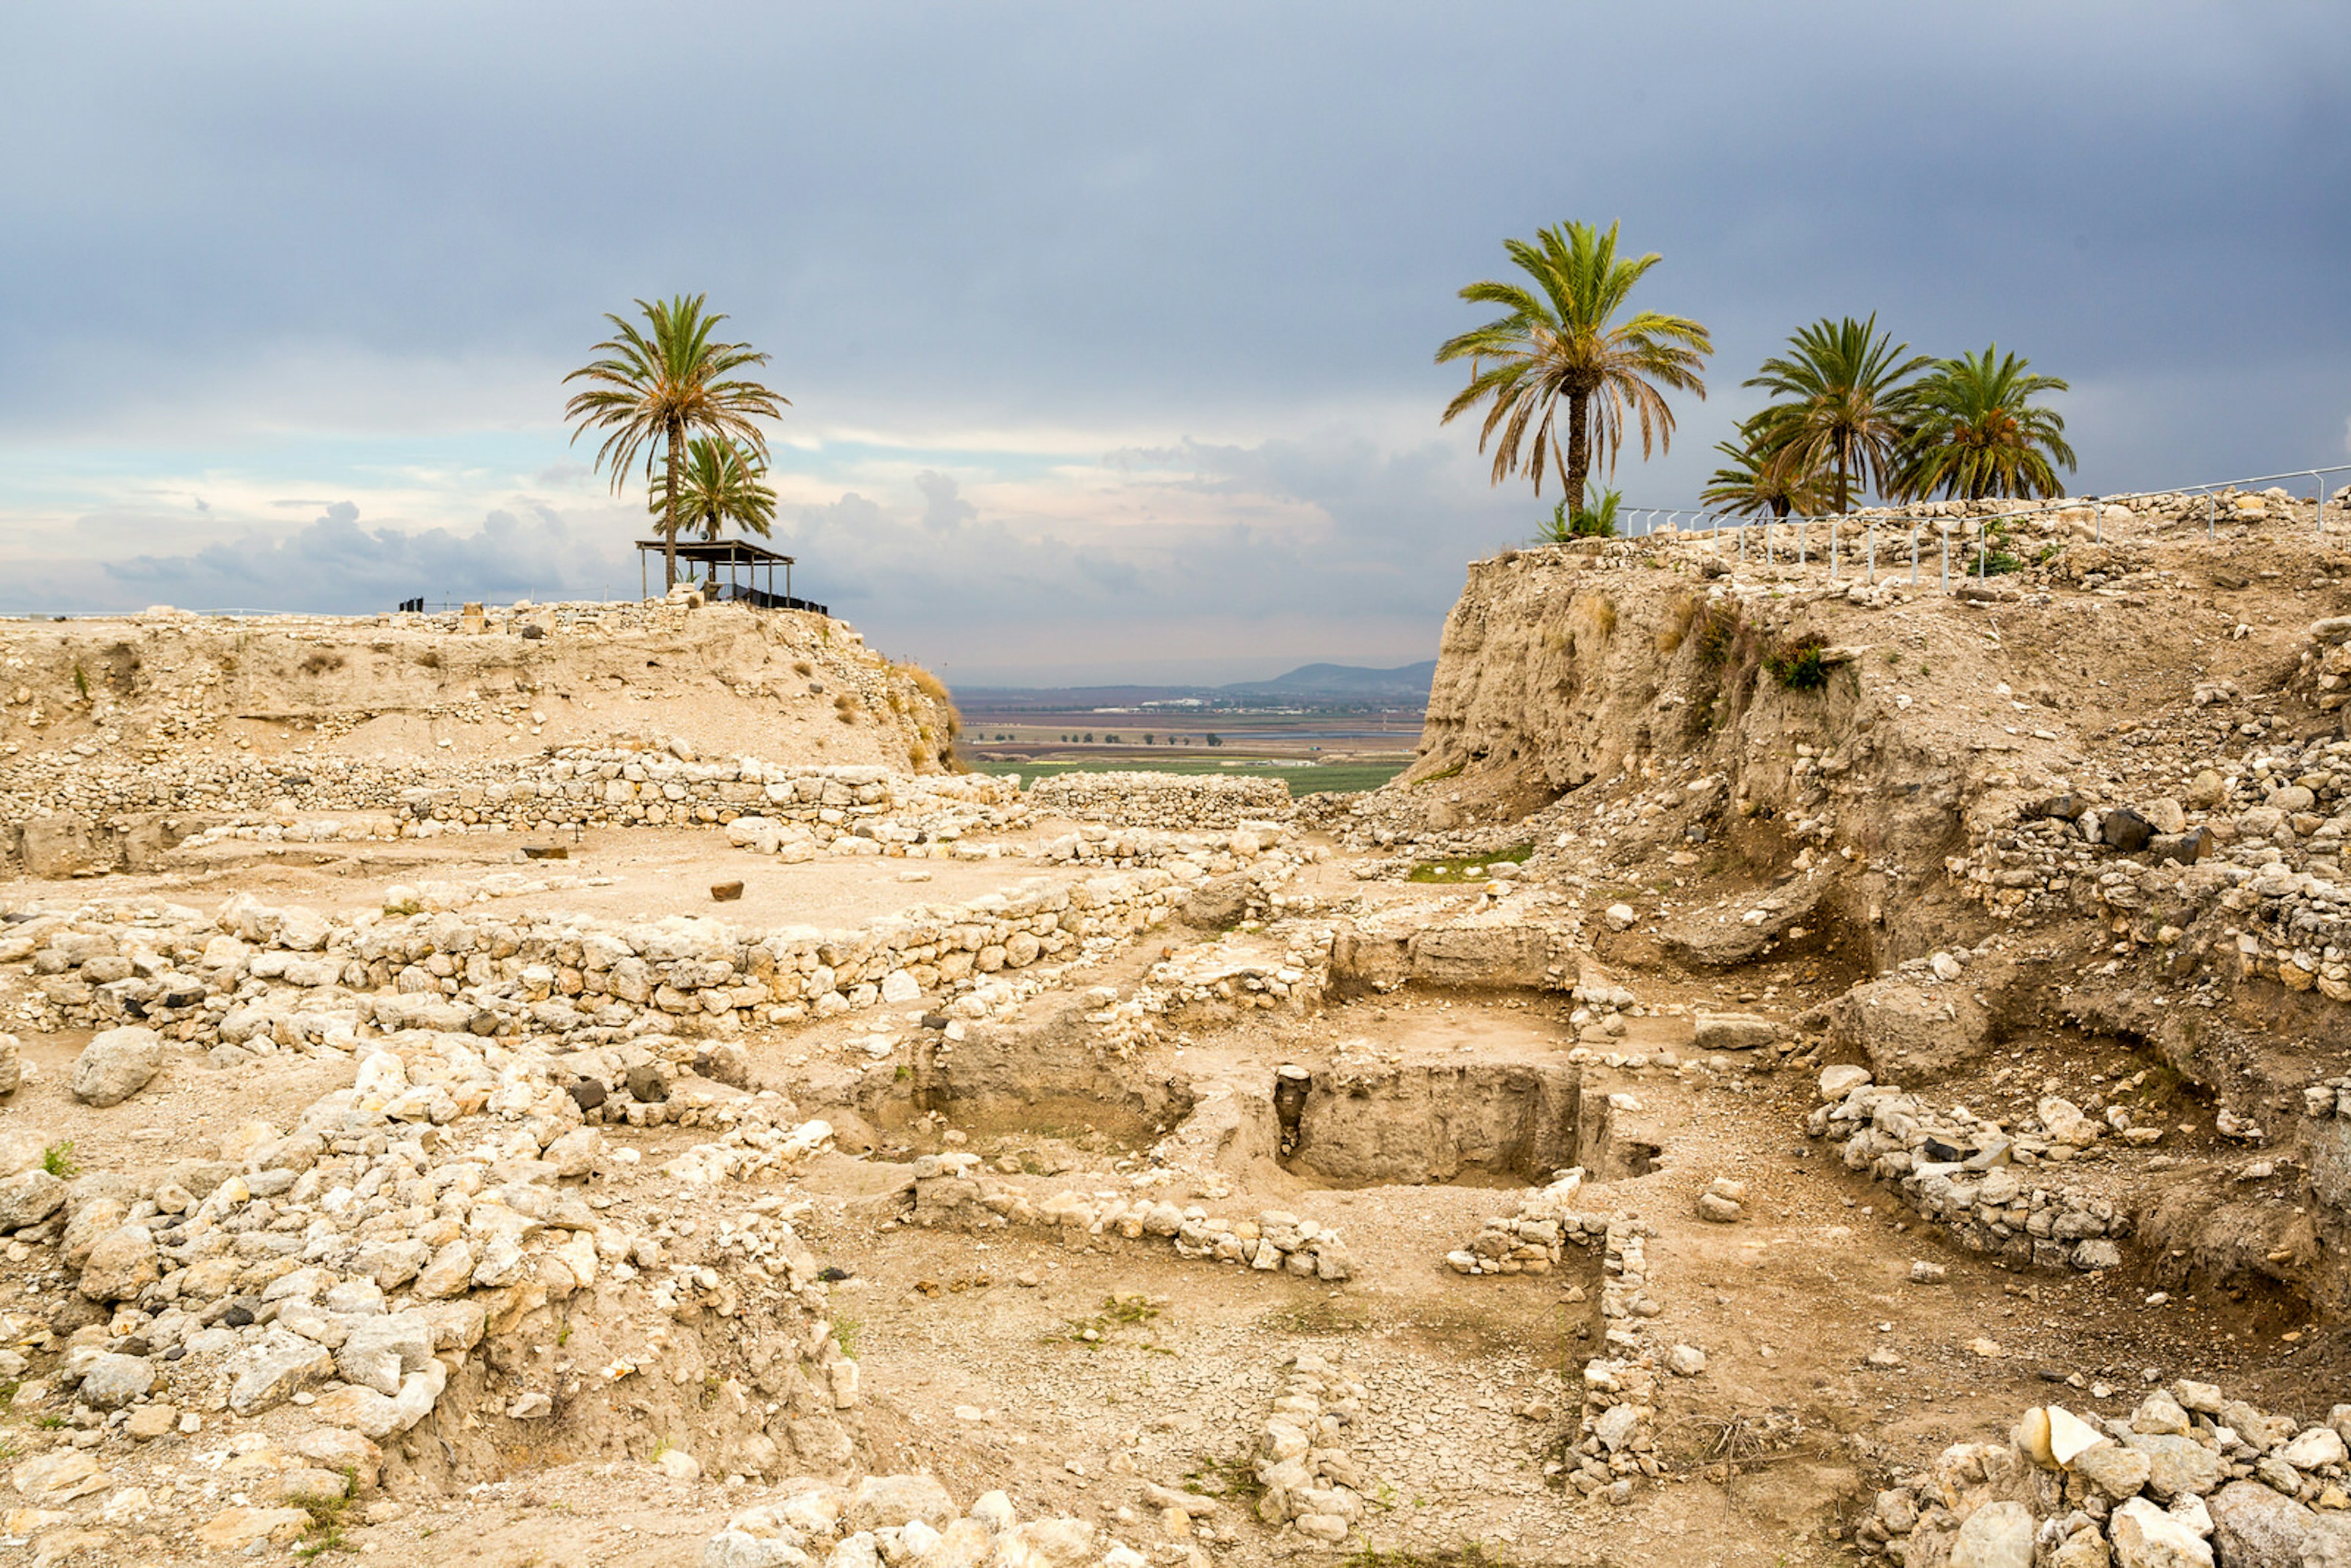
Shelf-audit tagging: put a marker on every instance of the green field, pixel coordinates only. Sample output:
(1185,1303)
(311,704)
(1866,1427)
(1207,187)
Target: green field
(1335,777)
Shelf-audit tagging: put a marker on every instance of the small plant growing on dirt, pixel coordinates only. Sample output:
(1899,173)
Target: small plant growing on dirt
(59,1161)
(1718,635)
(1595,520)
(1460,870)
(1234,1480)
(329,1515)
(81,682)
(1797,665)
(844,1334)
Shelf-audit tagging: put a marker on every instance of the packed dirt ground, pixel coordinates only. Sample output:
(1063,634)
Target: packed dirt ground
(1801,1070)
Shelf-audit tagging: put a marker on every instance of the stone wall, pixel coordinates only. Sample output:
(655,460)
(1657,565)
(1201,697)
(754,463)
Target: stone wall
(1976,1180)
(1167,800)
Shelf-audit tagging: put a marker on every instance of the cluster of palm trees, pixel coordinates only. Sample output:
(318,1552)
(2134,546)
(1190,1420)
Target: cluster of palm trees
(1851,408)
(668,394)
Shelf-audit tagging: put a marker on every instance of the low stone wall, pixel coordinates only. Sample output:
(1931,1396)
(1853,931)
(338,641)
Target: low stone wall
(226,980)
(1971,1178)
(951,1190)
(67,825)
(903,1519)
(1312,1484)
(1162,799)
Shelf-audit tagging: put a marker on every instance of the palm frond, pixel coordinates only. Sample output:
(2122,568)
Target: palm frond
(1560,342)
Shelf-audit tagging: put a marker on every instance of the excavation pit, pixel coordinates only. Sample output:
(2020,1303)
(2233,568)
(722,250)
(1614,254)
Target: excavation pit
(1449,1123)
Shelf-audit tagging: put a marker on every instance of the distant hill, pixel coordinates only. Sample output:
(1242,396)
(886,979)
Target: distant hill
(1408,681)
(1405,687)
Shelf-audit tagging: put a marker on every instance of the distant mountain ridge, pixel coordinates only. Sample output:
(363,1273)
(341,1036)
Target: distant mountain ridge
(1406,685)
(1410,681)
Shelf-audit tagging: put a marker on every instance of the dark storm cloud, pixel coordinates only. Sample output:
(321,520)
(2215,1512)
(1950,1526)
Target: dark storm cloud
(1227,236)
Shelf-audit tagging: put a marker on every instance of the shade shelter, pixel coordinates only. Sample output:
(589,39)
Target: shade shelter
(742,561)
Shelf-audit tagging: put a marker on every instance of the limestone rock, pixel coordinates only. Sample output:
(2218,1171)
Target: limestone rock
(28,1197)
(2147,1537)
(2253,1527)
(888,1502)
(114,1381)
(2179,1465)
(233,1530)
(55,1478)
(1732,1031)
(122,1263)
(117,1065)
(1909,1033)
(12,1069)
(285,1363)
(1997,1535)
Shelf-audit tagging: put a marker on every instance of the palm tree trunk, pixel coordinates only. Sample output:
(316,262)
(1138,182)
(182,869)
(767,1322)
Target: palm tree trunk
(668,509)
(1845,494)
(1579,449)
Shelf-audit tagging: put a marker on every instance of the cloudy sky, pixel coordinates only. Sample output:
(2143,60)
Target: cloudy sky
(1108,328)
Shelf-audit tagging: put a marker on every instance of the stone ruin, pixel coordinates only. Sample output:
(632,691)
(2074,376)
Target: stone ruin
(1684,1113)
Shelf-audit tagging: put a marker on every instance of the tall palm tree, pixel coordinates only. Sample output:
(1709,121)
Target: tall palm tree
(662,385)
(1559,339)
(719,483)
(1753,483)
(1845,407)
(1976,430)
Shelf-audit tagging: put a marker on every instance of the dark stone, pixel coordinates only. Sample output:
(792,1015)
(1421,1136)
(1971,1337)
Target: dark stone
(533,634)
(832,1273)
(2064,808)
(726,892)
(587,1093)
(649,1083)
(2186,848)
(483,1021)
(238,1316)
(726,1062)
(1942,1153)
(935,1021)
(175,1352)
(2127,831)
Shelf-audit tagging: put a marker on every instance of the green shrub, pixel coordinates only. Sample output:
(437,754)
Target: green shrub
(1797,665)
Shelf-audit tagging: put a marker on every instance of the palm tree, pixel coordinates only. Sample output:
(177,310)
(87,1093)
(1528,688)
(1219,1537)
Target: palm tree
(1753,483)
(660,386)
(719,483)
(1976,431)
(1845,406)
(1556,340)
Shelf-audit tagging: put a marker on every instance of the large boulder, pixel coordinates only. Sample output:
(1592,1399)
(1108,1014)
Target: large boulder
(121,1264)
(114,1381)
(1909,1033)
(888,1502)
(1997,1535)
(28,1197)
(117,1065)
(2253,1527)
(2147,1537)
(1717,939)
